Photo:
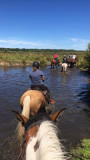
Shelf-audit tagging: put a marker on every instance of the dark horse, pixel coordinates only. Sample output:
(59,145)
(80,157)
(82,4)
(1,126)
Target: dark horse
(72,62)
(55,63)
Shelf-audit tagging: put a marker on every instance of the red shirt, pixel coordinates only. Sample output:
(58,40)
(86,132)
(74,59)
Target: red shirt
(55,55)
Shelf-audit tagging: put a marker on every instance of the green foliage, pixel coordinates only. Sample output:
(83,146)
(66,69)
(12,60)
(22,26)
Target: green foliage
(82,152)
(89,47)
(44,56)
(86,62)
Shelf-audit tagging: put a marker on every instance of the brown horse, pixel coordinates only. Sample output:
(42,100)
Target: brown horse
(31,102)
(54,63)
(41,137)
(72,62)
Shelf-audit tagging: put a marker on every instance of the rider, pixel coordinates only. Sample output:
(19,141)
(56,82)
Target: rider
(74,56)
(64,59)
(55,57)
(70,56)
(37,81)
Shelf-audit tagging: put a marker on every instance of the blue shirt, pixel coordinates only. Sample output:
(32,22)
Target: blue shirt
(36,77)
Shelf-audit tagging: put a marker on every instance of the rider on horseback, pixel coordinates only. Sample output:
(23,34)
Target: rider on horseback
(64,59)
(37,79)
(55,57)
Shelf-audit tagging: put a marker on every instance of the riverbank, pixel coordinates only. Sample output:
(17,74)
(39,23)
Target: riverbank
(19,57)
(82,150)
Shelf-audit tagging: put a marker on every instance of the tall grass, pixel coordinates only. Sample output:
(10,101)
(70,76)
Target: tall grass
(27,56)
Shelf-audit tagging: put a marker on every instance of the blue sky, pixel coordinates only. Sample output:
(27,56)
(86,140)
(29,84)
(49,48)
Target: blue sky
(45,24)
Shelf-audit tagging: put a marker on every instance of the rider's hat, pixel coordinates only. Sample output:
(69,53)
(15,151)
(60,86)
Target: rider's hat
(36,64)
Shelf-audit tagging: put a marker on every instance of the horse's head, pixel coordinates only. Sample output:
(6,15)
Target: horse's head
(25,122)
(32,127)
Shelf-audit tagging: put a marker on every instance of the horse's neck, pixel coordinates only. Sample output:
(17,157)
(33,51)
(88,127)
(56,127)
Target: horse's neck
(45,145)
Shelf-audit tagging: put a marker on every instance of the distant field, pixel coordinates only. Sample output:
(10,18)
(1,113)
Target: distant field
(27,56)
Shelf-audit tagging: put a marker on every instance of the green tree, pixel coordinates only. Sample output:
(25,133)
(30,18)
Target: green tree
(88,46)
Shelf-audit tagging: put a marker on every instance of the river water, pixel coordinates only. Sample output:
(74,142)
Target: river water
(65,89)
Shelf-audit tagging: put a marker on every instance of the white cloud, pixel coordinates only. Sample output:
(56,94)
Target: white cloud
(74,40)
(19,42)
(68,43)
(80,40)
(26,44)
(81,44)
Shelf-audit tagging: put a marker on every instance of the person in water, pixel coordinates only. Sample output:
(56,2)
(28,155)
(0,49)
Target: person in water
(37,81)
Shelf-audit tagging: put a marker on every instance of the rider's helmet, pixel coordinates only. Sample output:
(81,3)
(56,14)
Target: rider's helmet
(36,64)
(64,55)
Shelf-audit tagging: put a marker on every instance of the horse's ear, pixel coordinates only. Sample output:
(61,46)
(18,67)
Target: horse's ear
(55,117)
(19,117)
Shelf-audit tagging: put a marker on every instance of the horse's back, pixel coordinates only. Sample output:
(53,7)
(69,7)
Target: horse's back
(37,98)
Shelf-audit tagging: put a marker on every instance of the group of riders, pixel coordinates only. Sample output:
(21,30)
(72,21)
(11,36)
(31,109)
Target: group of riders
(65,60)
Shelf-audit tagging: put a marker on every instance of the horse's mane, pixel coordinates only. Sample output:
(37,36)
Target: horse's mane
(50,147)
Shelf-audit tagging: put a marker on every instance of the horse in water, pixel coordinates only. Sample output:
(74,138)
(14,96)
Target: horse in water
(54,63)
(72,62)
(64,67)
(41,140)
(31,102)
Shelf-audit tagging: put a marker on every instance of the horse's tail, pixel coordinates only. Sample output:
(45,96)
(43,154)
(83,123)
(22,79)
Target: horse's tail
(25,112)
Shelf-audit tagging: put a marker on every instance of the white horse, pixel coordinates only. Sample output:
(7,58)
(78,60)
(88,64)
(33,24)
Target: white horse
(42,142)
(64,67)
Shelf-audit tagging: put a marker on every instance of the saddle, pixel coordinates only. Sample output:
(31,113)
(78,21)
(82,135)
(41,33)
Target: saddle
(44,90)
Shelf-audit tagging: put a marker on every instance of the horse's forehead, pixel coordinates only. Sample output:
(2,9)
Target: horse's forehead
(32,133)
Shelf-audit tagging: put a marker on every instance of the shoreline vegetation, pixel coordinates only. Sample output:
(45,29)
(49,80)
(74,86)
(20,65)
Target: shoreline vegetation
(81,151)
(25,57)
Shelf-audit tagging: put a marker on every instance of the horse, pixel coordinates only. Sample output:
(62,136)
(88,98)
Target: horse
(31,102)
(54,63)
(41,140)
(72,62)
(64,67)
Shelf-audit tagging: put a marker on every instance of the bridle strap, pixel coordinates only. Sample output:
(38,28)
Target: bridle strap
(33,125)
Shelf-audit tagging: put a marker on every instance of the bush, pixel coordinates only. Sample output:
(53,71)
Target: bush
(82,152)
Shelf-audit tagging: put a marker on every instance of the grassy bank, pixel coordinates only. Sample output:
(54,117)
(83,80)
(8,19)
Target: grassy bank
(27,56)
(85,64)
(13,57)
(82,151)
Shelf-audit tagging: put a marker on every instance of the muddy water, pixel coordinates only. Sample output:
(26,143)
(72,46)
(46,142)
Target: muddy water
(64,87)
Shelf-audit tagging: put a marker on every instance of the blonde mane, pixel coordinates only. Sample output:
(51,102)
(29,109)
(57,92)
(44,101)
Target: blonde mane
(50,147)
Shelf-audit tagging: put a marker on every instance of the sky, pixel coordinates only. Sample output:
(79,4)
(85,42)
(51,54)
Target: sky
(45,24)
